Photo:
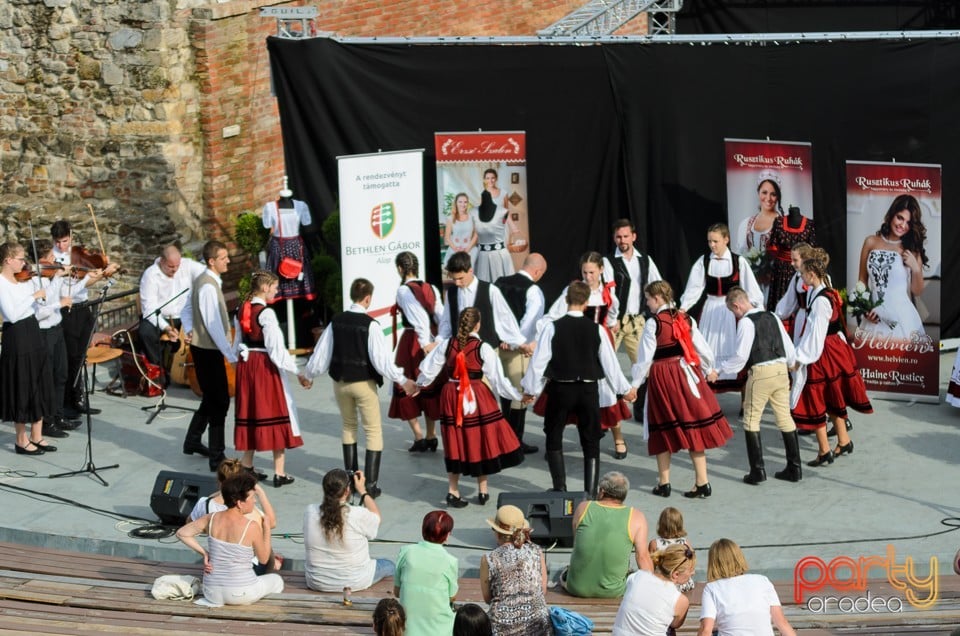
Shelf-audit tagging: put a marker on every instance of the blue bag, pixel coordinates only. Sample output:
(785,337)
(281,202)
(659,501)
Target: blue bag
(569,623)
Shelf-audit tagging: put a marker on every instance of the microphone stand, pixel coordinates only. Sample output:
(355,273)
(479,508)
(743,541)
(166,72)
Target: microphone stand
(90,468)
(161,404)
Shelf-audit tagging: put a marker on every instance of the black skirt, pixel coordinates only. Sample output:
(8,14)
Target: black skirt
(26,378)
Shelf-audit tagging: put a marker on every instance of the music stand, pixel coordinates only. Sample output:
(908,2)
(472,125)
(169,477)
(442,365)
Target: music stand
(90,467)
(161,404)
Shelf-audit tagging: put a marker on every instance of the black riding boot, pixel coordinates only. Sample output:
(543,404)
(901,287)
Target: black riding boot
(217,442)
(193,442)
(371,470)
(517,421)
(591,476)
(558,473)
(755,457)
(793,471)
(350,457)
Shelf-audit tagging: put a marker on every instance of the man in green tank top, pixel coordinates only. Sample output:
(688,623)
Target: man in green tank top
(605,532)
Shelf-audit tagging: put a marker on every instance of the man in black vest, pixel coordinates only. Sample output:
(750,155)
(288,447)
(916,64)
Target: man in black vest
(525,299)
(765,349)
(497,323)
(357,358)
(574,354)
(631,272)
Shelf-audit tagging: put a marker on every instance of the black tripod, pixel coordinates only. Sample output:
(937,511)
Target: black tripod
(161,404)
(90,468)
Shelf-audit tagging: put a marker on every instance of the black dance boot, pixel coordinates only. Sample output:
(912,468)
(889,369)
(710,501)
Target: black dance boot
(193,442)
(793,471)
(755,457)
(591,476)
(558,473)
(350,457)
(371,470)
(216,439)
(518,424)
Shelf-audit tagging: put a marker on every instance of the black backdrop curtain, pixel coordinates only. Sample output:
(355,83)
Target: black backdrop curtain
(628,129)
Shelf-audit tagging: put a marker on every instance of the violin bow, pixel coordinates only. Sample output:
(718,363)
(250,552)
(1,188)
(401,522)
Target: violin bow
(97,230)
(26,216)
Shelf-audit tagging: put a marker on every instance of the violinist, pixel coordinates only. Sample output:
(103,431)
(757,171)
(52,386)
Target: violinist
(78,320)
(52,279)
(162,299)
(25,380)
(207,324)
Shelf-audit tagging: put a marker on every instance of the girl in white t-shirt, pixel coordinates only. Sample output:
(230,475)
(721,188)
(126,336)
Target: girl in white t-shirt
(735,602)
(670,531)
(652,604)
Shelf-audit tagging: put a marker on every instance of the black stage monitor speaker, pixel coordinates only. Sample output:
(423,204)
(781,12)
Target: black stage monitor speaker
(175,494)
(550,514)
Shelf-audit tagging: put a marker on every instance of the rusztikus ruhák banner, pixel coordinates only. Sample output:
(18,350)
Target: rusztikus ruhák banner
(893,276)
(381,215)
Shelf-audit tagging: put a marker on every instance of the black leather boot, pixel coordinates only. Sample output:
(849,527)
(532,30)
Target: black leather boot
(793,471)
(558,473)
(193,442)
(216,439)
(591,476)
(371,470)
(517,421)
(755,457)
(350,457)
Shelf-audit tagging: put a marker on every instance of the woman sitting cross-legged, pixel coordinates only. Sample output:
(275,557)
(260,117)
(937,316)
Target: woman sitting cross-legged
(233,541)
(337,535)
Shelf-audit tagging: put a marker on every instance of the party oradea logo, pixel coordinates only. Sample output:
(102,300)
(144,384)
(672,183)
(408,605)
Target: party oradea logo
(848,578)
(382,219)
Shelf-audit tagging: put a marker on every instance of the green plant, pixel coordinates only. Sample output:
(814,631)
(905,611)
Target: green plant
(250,234)
(327,274)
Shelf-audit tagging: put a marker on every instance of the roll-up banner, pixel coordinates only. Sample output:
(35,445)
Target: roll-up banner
(482,199)
(381,214)
(893,276)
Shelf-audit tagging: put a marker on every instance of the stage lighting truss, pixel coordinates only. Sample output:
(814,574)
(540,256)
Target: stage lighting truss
(604,17)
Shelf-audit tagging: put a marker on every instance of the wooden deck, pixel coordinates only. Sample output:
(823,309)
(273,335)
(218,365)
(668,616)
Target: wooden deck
(46,591)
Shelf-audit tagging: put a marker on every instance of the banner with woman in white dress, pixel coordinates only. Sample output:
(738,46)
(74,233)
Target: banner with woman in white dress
(482,199)
(893,274)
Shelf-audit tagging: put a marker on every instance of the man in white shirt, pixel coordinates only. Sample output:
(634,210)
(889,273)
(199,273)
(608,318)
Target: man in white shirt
(164,291)
(78,319)
(765,349)
(357,359)
(206,323)
(526,302)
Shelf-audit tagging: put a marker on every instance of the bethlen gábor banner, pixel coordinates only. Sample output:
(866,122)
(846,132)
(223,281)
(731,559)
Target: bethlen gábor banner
(765,179)
(482,199)
(381,215)
(893,276)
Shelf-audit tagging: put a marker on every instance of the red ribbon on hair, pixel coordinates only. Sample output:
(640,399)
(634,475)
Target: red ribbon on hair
(245,312)
(464,388)
(681,327)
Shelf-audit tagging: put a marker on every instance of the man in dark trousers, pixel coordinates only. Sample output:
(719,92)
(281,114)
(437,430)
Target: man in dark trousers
(497,322)
(572,355)
(357,358)
(765,349)
(631,273)
(207,325)
(525,299)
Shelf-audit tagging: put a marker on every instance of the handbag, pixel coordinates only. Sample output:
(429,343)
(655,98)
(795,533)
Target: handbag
(569,623)
(288,267)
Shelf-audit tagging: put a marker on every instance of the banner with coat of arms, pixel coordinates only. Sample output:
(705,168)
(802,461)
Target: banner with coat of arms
(381,215)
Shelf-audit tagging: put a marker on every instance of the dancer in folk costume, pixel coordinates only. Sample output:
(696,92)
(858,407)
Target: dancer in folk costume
(603,308)
(711,277)
(477,440)
(681,412)
(826,379)
(265,416)
(420,309)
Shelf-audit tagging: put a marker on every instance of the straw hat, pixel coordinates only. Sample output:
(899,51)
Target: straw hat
(509,519)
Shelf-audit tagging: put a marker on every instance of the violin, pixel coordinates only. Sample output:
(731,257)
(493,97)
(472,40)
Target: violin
(46,270)
(83,260)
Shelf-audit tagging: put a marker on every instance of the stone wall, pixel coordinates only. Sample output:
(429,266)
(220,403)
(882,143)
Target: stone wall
(157,114)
